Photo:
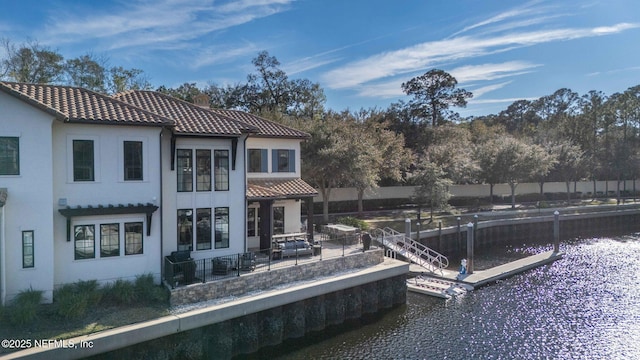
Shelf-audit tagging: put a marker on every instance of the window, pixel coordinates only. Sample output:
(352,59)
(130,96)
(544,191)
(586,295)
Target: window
(133,160)
(84,242)
(9,155)
(284,160)
(185,229)
(133,238)
(258,160)
(203,170)
(222,228)
(203,229)
(83,160)
(222,170)
(184,170)
(278,220)
(109,240)
(27,249)
(251,221)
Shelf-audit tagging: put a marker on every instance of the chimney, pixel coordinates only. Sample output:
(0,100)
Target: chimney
(201,100)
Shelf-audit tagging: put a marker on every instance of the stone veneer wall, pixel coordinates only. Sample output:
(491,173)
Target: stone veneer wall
(256,281)
(249,333)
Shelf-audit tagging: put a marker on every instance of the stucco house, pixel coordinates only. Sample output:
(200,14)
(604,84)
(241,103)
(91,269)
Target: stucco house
(99,187)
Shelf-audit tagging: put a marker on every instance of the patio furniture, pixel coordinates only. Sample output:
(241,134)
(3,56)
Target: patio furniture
(180,268)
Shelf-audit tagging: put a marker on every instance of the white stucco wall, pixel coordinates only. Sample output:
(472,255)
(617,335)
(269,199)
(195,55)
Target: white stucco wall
(109,188)
(29,200)
(271,144)
(234,198)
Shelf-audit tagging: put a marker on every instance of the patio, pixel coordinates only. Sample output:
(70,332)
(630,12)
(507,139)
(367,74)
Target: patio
(180,270)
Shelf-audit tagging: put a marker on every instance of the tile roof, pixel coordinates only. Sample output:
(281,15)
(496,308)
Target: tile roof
(73,104)
(190,119)
(258,189)
(267,128)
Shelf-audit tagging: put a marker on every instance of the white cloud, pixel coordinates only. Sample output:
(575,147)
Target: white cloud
(150,25)
(486,89)
(491,71)
(428,54)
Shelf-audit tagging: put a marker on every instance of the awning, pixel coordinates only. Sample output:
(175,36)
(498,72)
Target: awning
(274,189)
(120,209)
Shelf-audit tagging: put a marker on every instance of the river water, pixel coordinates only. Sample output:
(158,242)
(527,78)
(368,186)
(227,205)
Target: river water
(584,306)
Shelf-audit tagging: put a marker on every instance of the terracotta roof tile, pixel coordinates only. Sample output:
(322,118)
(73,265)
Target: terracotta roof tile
(75,104)
(278,189)
(267,128)
(189,118)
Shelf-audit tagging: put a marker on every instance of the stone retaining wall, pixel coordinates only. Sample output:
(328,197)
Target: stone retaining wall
(257,281)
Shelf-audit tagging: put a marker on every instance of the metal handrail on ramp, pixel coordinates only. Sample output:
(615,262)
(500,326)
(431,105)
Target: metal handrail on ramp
(412,250)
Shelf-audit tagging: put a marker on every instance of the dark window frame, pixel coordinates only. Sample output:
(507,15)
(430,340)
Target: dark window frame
(130,243)
(184,170)
(278,210)
(109,249)
(221,219)
(9,155)
(203,170)
(185,229)
(133,160)
(83,160)
(92,240)
(203,229)
(257,162)
(28,250)
(221,170)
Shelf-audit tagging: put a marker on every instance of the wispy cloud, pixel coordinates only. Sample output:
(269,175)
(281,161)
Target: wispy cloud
(491,71)
(162,24)
(614,71)
(428,54)
(487,89)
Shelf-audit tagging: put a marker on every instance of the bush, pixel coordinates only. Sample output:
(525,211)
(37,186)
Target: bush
(122,292)
(25,307)
(351,221)
(69,303)
(147,291)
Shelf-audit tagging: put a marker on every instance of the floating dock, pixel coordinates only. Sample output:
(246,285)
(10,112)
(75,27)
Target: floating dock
(447,283)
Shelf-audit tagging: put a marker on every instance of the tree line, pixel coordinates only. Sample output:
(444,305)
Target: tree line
(422,141)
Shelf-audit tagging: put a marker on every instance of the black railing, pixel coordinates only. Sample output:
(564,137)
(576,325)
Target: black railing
(180,269)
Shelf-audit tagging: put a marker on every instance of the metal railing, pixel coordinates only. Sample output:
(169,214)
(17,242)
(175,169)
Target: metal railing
(192,271)
(412,250)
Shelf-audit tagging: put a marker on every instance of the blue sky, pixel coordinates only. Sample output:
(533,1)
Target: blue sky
(360,51)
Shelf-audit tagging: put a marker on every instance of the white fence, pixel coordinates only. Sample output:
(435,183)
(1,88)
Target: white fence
(401,192)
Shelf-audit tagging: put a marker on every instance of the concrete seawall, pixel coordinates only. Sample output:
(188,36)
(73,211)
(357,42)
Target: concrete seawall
(246,324)
(451,240)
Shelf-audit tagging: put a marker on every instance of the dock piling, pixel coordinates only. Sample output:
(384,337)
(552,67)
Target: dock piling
(470,248)
(556,231)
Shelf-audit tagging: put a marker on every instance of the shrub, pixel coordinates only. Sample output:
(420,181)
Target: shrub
(122,292)
(25,307)
(69,303)
(147,291)
(351,221)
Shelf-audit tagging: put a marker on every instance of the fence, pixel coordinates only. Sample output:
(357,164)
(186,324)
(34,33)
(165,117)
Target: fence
(181,270)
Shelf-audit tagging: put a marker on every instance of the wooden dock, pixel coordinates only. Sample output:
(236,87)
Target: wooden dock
(448,283)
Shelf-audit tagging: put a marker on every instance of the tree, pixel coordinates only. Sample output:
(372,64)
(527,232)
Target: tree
(570,164)
(451,150)
(327,155)
(87,71)
(433,93)
(121,79)
(432,187)
(186,91)
(31,63)
(378,152)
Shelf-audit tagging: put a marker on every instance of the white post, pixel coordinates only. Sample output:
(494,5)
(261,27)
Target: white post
(470,248)
(556,231)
